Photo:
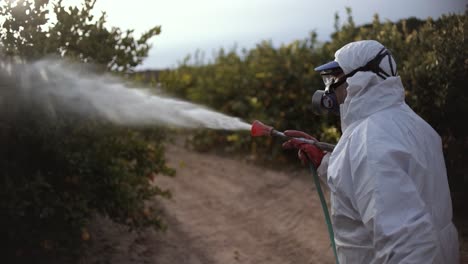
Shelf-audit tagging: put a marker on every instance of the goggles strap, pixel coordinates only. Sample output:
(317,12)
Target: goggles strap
(373,65)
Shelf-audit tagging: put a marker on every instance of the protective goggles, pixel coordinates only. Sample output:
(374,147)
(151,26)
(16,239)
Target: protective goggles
(325,101)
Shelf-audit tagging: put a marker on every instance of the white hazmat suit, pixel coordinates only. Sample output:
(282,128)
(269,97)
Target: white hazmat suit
(390,200)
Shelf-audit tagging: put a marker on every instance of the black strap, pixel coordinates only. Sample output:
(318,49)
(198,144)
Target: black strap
(373,65)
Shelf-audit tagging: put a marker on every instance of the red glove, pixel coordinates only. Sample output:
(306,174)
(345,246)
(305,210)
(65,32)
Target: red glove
(307,152)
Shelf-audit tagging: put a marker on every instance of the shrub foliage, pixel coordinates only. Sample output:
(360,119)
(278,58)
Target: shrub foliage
(58,171)
(275,84)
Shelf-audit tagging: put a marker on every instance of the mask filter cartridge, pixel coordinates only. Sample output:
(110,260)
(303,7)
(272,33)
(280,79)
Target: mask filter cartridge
(324,102)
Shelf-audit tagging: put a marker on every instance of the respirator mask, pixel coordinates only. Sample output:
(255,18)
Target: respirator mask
(325,101)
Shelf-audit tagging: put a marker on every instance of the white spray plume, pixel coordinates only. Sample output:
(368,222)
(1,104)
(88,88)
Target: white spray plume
(57,85)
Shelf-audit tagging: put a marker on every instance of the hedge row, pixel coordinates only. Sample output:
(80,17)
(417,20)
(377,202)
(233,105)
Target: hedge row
(275,84)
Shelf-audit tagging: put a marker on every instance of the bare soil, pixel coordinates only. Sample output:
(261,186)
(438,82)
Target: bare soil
(224,210)
(227,210)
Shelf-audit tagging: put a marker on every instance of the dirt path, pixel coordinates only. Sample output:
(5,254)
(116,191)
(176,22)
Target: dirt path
(224,211)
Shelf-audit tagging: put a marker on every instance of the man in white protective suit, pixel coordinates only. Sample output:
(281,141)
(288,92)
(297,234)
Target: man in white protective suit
(390,199)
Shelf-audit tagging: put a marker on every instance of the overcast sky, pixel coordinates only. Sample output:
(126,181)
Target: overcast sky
(188,25)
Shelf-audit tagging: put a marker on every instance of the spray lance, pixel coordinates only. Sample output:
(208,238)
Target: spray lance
(259,129)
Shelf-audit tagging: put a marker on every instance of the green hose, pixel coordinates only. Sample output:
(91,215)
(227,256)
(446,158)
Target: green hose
(325,209)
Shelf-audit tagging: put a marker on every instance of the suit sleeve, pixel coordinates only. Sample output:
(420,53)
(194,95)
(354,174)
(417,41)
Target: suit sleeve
(323,168)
